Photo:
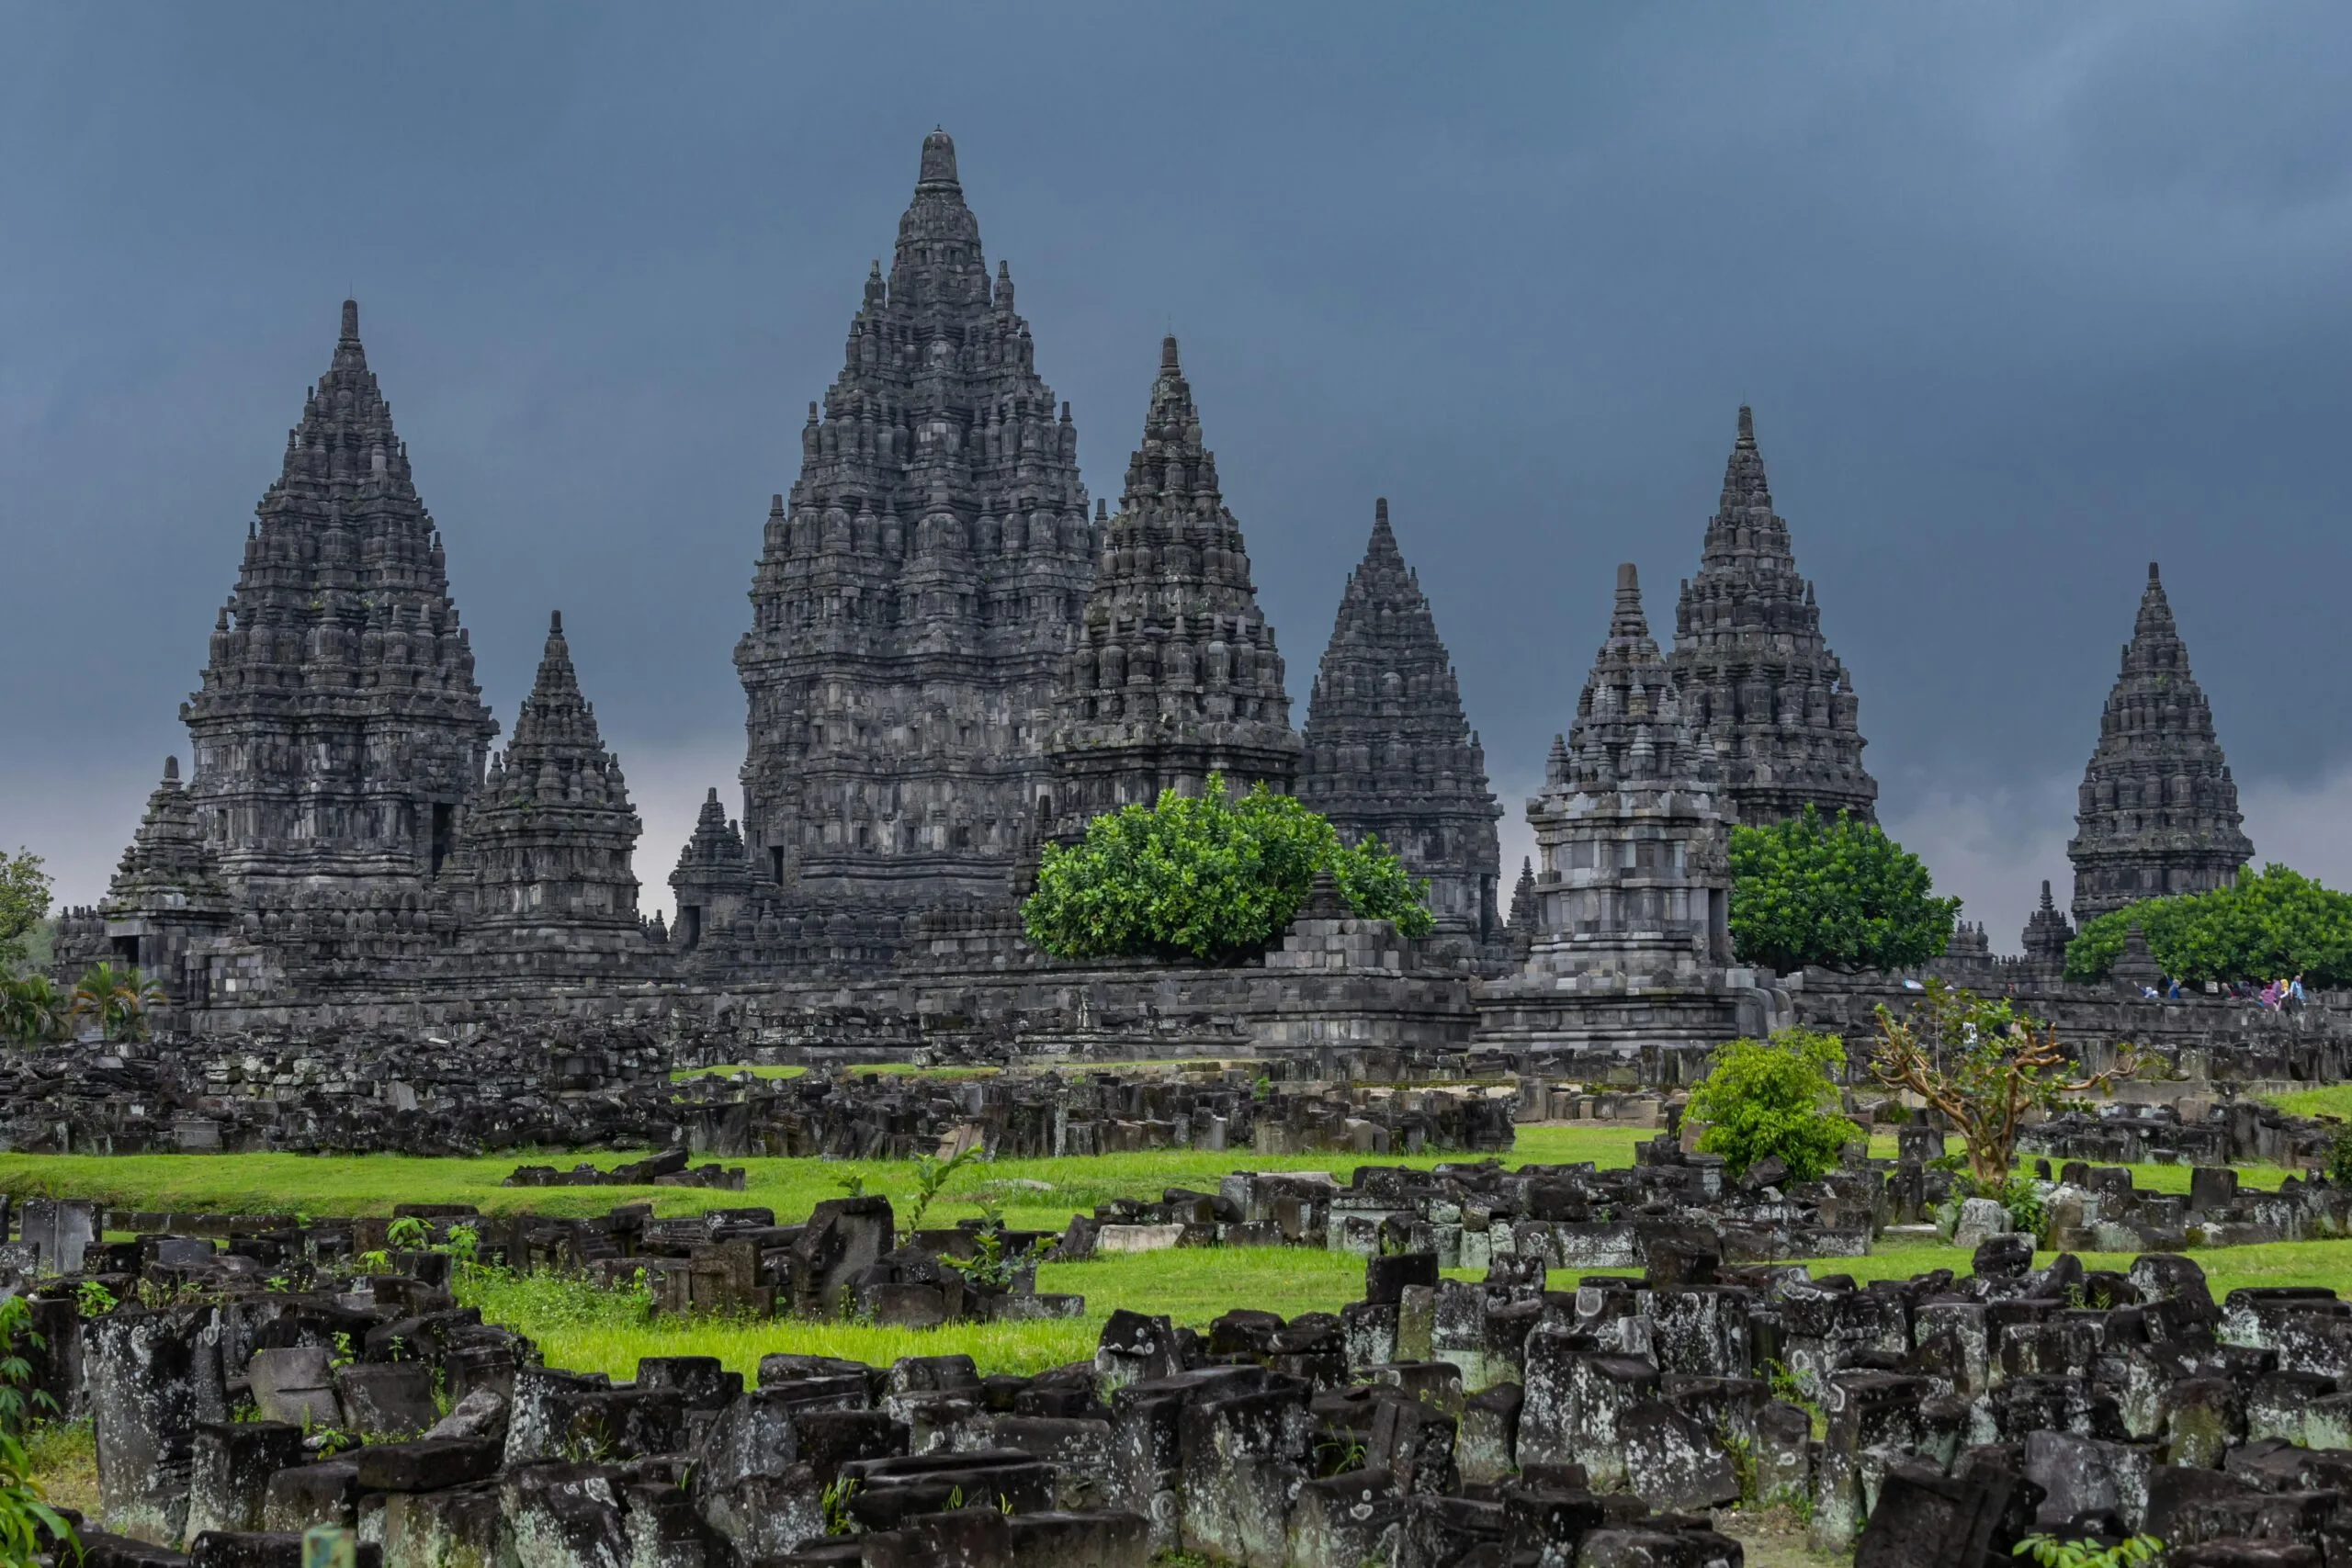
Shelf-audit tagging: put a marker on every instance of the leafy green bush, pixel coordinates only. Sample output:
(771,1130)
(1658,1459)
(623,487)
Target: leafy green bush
(1764,1098)
(1839,895)
(2049,1552)
(2265,925)
(31,1010)
(28,1524)
(2339,1158)
(1207,877)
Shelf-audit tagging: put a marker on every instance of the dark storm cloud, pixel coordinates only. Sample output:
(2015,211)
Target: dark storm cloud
(2024,297)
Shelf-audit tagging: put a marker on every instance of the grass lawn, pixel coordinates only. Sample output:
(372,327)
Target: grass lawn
(602,1331)
(365,1184)
(590,1330)
(2333,1100)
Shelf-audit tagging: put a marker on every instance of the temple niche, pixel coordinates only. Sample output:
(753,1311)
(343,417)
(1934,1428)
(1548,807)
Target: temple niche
(2157,813)
(1389,753)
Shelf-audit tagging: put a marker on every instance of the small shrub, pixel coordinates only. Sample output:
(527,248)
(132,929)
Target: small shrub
(2049,1552)
(2339,1158)
(1765,1098)
(26,1521)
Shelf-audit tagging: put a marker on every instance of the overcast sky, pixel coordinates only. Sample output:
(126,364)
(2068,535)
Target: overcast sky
(2023,295)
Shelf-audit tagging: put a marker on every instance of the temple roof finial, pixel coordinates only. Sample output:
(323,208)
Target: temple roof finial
(1747,427)
(1167,353)
(351,321)
(938,166)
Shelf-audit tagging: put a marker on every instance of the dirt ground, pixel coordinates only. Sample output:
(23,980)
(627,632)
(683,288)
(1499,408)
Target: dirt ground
(1775,1538)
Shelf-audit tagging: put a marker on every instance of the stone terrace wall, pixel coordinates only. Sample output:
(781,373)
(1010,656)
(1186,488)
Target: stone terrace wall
(2197,1037)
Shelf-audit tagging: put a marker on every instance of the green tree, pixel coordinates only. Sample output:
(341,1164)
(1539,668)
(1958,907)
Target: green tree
(2265,925)
(1982,1065)
(1840,894)
(1774,1098)
(117,999)
(1207,877)
(24,904)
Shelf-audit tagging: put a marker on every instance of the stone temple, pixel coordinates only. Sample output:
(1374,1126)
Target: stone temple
(1389,752)
(950,665)
(2157,812)
(338,727)
(1172,674)
(1631,944)
(1751,666)
(916,590)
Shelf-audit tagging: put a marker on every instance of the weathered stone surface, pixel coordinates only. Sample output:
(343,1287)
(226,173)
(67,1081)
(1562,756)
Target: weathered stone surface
(153,1376)
(229,1471)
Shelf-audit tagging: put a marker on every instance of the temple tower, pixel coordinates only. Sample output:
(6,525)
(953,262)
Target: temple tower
(1172,674)
(2157,813)
(167,897)
(1630,827)
(338,727)
(544,862)
(1632,948)
(1388,753)
(712,882)
(1751,666)
(914,592)
(2047,933)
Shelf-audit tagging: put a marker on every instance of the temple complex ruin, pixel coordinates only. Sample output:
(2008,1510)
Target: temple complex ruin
(951,664)
(916,590)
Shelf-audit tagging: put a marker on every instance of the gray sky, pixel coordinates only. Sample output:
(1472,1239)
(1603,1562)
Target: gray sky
(2023,295)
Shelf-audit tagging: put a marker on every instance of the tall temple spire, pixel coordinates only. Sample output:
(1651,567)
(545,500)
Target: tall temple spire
(1388,752)
(549,837)
(915,590)
(2157,813)
(1174,674)
(1752,667)
(340,635)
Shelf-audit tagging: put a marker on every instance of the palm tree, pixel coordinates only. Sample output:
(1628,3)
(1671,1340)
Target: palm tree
(144,998)
(115,998)
(31,1010)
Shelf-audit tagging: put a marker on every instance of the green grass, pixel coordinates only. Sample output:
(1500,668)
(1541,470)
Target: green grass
(581,1327)
(371,1184)
(2334,1099)
(586,1328)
